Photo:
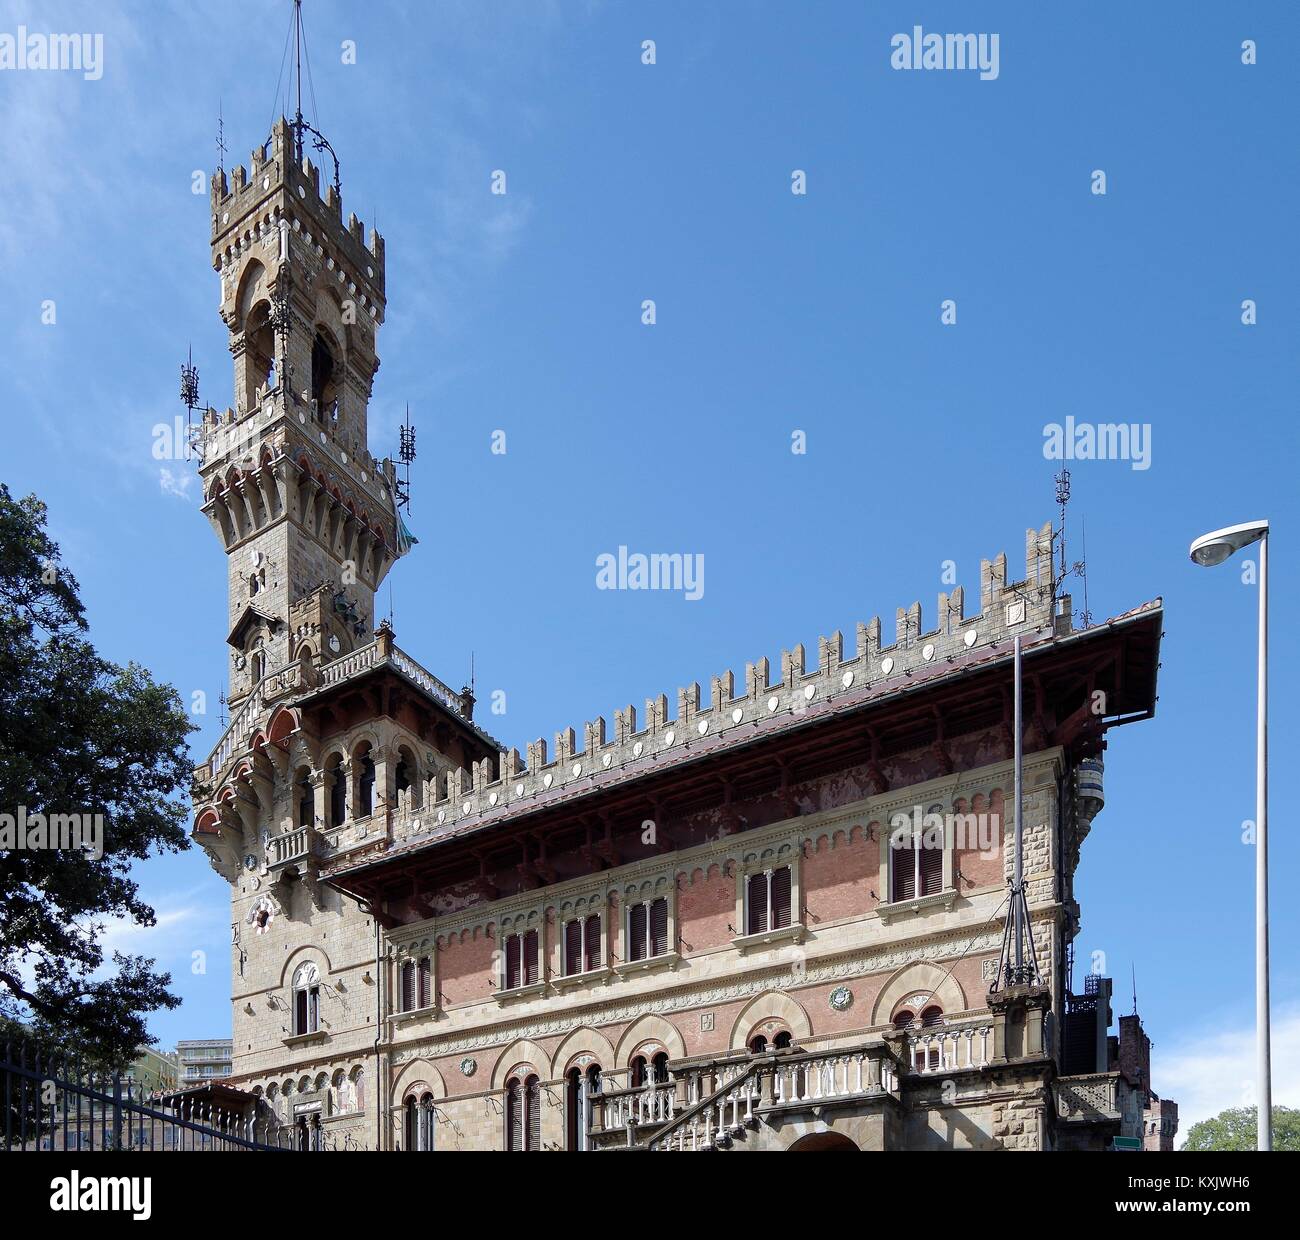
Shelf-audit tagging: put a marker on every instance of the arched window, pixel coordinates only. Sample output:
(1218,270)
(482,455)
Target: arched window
(933,1015)
(324,373)
(580,1087)
(406,776)
(524,1113)
(338,790)
(903,1020)
(419,1119)
(306,798)
(783,1041)
(365,782)
(660,1065)
(757,1044)
(306,1000)
(357,1079)
(637,1072)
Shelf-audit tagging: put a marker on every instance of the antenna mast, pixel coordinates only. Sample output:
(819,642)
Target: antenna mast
(406,454)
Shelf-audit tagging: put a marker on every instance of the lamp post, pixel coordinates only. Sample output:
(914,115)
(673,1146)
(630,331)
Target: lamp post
(1208,550)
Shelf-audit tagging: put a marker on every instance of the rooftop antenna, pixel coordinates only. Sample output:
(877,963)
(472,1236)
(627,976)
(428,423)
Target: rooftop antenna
(221,140)
(1080,567)
(1133,975)
(299,124)
(189,397)
(406,454)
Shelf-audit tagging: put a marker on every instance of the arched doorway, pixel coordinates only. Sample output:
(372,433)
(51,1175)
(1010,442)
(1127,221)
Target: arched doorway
(824,1141)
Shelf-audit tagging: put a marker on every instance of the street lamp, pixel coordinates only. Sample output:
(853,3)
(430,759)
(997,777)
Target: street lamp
(1208,550)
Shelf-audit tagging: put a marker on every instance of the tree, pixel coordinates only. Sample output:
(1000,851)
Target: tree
(1234,1129)
(79,735)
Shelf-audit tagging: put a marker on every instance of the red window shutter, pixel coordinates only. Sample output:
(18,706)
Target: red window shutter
(931,871)
(659,927)
(636,931)
(592,956)
(572,947)
(530,958)
(534,1101)
(904,861)
(514,1118)
(408,985)
(781,897)
(425,996)
(757,901)
(512,961)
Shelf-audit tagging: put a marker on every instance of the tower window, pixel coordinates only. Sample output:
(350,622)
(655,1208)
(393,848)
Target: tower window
(324,380)
(306,999)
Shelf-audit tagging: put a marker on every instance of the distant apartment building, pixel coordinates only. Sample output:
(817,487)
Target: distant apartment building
(201,1060)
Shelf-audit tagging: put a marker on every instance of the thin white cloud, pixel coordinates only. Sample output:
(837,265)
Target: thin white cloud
(175,482)
(1212,1068)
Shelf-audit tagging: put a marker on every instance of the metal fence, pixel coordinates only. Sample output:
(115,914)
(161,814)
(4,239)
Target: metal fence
(51,1101)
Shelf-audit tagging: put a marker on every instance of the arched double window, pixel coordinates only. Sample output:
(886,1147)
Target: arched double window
(306,998)
(582,945)
(654,1068)
(759,1043)
(647,929)
(524,1113)
(420,1118)
(580,1088)
(767,900)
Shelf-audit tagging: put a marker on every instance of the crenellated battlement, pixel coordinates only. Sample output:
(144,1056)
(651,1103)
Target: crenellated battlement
(1026,607)
(249,206)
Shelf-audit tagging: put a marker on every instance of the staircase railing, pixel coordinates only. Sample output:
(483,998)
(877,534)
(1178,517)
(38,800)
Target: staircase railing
(706,1124)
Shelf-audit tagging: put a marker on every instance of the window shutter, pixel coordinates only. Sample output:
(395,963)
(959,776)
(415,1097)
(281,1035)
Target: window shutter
(781,897)
(534,1100)
(425,995)
(636,932)
(572,947)
(313,1009)
(408,985)
(931,871)
(300,1012)
(592,947)
(659,927)
(512,962)
(530,969)
(757,904)
(904,861)
(514,1118)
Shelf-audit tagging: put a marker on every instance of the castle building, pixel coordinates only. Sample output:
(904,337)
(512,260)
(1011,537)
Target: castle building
(771,918)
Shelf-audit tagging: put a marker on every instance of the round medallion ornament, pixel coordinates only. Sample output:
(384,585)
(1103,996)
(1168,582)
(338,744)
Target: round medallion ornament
(468,1066)
(841,998)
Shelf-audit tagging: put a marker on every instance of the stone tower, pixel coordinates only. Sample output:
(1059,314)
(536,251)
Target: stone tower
(306,515)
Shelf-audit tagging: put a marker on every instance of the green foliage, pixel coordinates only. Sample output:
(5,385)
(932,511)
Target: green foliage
(78,734)
(1234,1129)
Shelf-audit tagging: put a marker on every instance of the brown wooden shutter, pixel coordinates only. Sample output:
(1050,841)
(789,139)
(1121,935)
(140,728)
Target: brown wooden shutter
(531,962)
(572,947)
(659,927)
(931,870)
(781,897)
(757,902)
(512,961)
(533,1088)
(904,862)
(592,957)
(636,931)
(424,996)
(408,985)
(514,1118)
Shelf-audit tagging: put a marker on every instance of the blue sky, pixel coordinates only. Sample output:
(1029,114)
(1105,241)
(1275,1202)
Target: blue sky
(776,313)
